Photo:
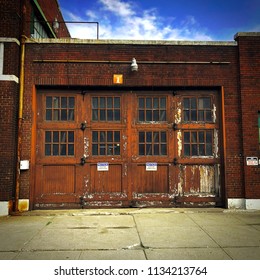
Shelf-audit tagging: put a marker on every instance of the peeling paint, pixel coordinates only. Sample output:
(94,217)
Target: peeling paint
(178,113)
(207,179)
(214,113)
(215,153)
(86,147)
(179,142)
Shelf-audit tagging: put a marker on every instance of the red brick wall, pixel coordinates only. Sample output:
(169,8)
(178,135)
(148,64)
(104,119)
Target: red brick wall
(249,59)
(151,75)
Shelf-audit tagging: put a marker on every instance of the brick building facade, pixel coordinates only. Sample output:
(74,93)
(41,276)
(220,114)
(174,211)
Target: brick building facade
(178,126)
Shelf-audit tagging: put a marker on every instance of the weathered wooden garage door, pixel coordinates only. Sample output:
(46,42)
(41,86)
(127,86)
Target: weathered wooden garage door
(127,148)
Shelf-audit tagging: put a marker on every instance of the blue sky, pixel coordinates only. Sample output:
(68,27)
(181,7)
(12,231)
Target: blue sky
(199,20)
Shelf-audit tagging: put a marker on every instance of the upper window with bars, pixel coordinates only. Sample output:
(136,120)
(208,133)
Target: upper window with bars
(197,109)
(60,108)
(152,109)
(106,109)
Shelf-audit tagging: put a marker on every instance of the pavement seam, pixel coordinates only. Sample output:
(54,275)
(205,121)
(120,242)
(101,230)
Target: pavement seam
(41,229)
(141,243)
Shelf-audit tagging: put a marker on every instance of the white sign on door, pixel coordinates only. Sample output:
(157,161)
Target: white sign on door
(102,166)
(151,166)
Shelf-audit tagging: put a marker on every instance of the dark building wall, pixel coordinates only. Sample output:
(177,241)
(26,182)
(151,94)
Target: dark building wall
(249,69)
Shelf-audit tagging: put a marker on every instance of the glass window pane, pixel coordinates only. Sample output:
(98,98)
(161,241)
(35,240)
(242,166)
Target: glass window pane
(48,115)
(117,115)
(94,115)
(141,149)
(94,136)
(109,102)
(117,102)
(163,103)
(63,150)
(201,150)
(149,115)
(56,102)
(193,115)
(102,102)
(71,150)
(163,137)
(71,115)
(201,116)
(186,103)
(141,137)
(63,136)
(141,115)
(117,136)
(141,103)
(186,115)
(71,136)
(156,137)
(208,149)
(102,150)
(63,102)
(48,102)
(194,137)
(102,136)
(55,149)
(117,150)
(193,103)
(47,137)
(186,137)
(162,115)
(64,115)
(149,103)
(163,149)
(194,150)
(94,102)
(148,149)
(56,115)
(156,149)
(95,149)
(110,115)
(207,103)
(208,137)
(201,137)
(156,103)
(156,115)
(103,115)
(149,137)
(71,102)
(208,116)
(47,149)
(186,150)
(110,136)
(55,136)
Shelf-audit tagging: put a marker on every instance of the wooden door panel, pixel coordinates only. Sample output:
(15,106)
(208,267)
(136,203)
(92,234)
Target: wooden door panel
(151,181)
(104,182)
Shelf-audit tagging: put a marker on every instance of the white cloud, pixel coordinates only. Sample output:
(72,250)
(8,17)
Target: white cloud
(125,20)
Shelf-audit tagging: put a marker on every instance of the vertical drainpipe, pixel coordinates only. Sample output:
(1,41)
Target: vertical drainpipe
(20,122)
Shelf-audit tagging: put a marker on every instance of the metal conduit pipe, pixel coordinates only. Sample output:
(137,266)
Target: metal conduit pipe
(20,123)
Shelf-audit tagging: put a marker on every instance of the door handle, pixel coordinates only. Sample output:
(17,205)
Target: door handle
(83,160)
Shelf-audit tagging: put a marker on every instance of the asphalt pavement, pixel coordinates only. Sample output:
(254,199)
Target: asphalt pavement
(131,234)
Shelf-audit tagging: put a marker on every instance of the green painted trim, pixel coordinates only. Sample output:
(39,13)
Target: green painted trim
(44,18)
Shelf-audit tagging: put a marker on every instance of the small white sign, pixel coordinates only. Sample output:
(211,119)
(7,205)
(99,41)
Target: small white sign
(102,166)
(151,166)
(252,161)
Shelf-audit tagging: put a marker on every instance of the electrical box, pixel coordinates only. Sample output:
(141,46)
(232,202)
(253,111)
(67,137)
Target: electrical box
(24,164)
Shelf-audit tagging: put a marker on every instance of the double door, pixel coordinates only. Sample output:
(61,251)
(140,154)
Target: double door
(123,148)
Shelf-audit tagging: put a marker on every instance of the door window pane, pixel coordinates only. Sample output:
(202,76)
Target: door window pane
(59,143)
(106,109)
(198,143)
(152,109)
(59,108)
(152,143)
(105,143)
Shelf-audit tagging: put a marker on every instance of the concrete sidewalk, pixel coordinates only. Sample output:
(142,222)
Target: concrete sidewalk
(132,234)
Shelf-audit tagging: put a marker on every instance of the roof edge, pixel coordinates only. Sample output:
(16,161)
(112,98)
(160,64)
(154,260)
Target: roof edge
(246,34)
(129,42)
